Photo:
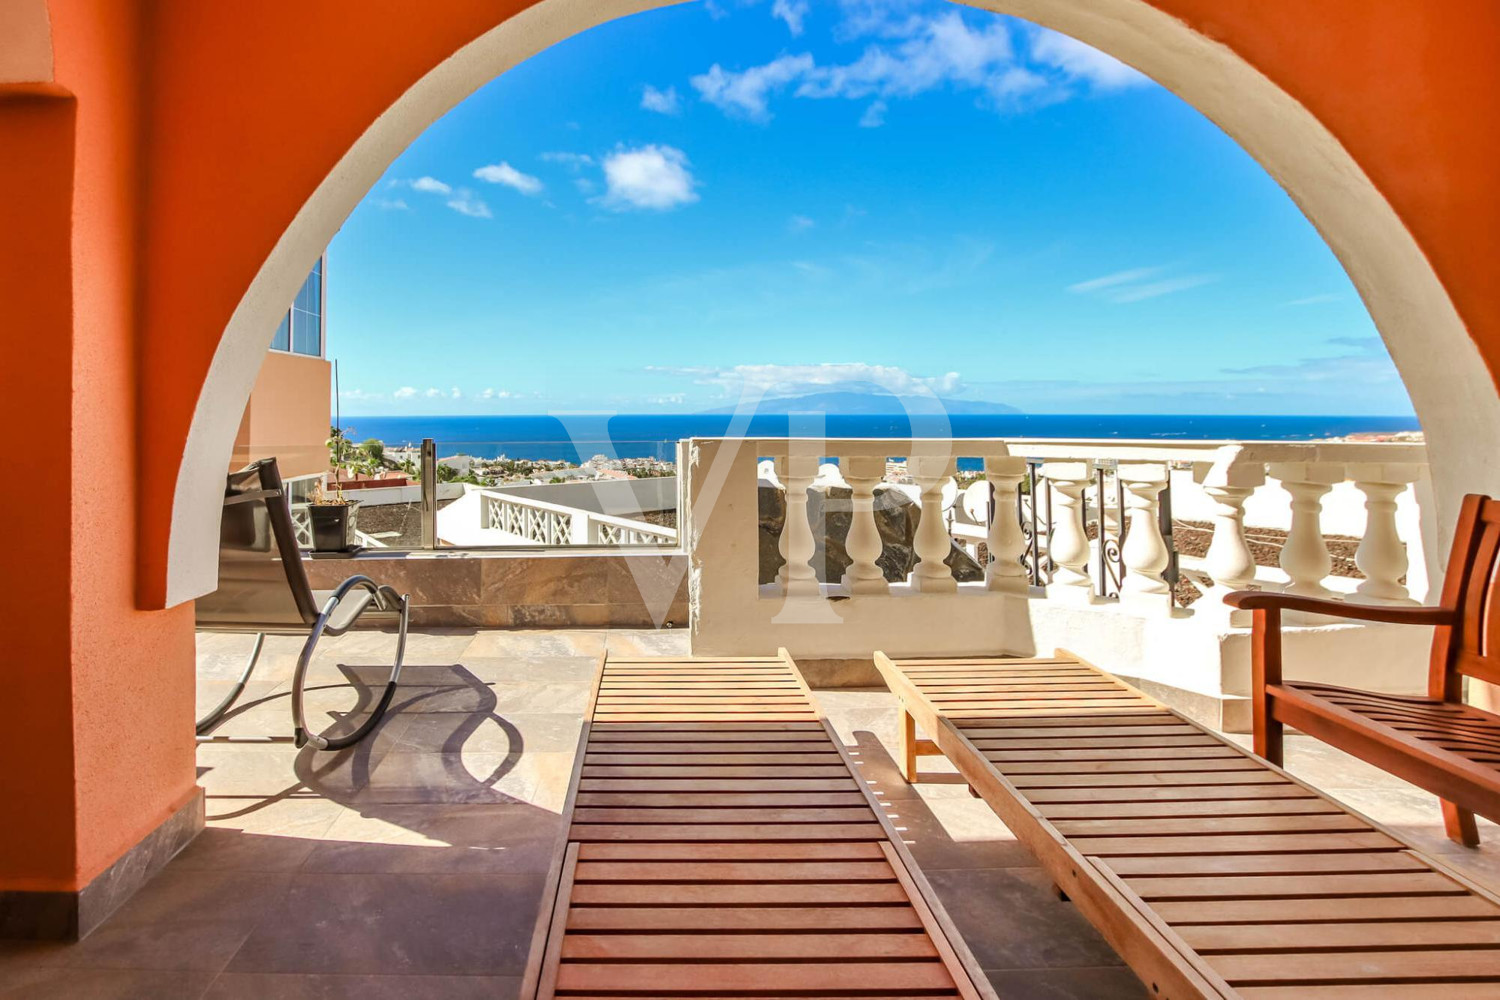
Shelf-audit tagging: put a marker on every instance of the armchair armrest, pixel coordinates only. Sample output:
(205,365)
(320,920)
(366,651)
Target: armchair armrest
(1262,600)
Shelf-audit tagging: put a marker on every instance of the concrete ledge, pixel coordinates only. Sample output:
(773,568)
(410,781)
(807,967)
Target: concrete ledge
(557,589)
(70,916)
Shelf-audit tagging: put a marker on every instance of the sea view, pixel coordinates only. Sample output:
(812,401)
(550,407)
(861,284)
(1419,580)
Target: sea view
(577,437)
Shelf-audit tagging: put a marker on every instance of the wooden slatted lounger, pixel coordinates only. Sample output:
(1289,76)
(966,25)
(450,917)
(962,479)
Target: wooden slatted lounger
(720,844)
(1211,872)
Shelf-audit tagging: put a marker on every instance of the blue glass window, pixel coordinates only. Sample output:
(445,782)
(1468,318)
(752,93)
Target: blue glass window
(301,330)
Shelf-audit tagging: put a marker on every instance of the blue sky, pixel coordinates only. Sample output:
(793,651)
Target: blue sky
(779,197)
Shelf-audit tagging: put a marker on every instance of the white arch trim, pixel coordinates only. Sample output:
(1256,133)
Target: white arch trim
(1448,381)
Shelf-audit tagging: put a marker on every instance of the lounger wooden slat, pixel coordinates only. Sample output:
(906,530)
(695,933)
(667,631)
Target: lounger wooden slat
(1212,872)
(719,844)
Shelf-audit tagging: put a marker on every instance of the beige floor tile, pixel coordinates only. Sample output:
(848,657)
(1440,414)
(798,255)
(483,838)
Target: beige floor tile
(468,924)
(440,839)
(42,983)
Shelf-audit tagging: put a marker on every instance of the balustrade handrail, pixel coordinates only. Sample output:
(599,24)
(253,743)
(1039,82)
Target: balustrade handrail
(1210,450)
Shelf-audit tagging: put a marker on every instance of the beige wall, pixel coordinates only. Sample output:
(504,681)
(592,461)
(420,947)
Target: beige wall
(288,416)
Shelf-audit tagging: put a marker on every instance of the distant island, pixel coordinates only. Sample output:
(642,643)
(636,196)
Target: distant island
(870,404)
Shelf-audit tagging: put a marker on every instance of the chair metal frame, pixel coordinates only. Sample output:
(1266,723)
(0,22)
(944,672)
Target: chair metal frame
(263,588)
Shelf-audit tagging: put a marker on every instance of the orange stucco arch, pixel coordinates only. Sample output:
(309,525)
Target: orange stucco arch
(170,186)
(1364,170)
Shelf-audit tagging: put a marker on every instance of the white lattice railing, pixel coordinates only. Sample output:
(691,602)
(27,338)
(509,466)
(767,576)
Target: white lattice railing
(542,523)
(302,522)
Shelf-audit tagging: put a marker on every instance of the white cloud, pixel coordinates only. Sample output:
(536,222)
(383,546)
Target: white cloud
(504,173)
(800,224)
(433,393)
(788,380)
(496,394)
(573,161)
(585,185)
(431,185)
(650,177)
(465,203)
(745,92)
(915,54)
(1083,62)
(1118,278)
(661,101)
(946,50)
(392,204)
(405,392)
(1313,300)
(792,12)
(1124,287)
(454,393)
(1158,288)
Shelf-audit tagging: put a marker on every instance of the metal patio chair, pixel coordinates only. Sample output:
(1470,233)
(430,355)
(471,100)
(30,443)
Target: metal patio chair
(263,588)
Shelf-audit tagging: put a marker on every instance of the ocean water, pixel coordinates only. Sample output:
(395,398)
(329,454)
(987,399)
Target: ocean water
(575,438)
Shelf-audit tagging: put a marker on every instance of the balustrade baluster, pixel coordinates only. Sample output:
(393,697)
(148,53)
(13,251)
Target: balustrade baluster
(1305,557)
(1068,541)
(1229,561)
(1381,556)
(864,575)
(932,541)
(1145,551)
(798,546)
(1004,540)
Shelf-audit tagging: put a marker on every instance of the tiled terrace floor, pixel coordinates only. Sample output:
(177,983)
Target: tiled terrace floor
(411,866)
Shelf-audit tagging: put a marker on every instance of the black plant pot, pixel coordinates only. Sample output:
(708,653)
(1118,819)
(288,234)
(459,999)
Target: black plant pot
(333,526)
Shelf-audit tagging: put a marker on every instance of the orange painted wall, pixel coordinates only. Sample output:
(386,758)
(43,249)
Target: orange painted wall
(288,416)
(1412,89)
(97,744)
(204,140)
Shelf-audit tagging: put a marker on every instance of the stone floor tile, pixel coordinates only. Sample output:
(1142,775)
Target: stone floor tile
(440,839)
(468,924)
(529,732)
(1011,918)
(956,833)
(418,778)
(43,983)
(648,642)
(1067,984)
(294,986)
(533,642)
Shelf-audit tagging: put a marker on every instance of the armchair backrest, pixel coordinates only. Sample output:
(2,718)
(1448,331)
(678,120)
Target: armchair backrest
(261,580)
(1471,646)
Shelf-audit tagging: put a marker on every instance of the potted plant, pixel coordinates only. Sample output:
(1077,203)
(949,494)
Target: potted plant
(333,520)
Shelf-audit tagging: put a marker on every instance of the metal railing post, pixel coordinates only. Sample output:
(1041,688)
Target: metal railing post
(429,494)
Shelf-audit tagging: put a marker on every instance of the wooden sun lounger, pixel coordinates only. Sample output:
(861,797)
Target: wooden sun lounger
(720,844)
(1211,872)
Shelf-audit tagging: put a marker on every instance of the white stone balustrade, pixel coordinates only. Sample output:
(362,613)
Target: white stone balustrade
(1279,486)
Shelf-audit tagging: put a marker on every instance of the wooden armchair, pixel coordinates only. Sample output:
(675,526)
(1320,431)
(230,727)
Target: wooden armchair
(1438,742)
